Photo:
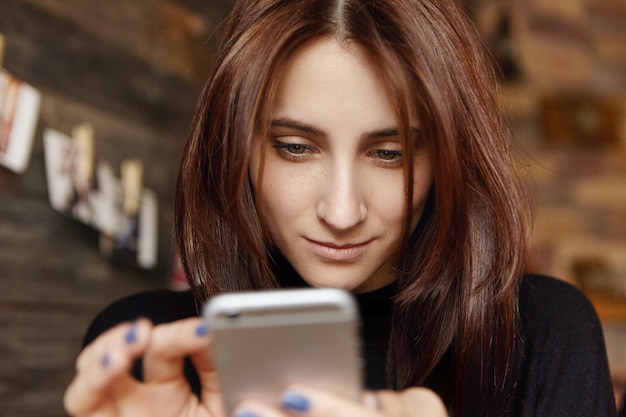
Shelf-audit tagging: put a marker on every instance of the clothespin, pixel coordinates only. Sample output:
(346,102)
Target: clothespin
(132,179)
(2,42)
(84,137)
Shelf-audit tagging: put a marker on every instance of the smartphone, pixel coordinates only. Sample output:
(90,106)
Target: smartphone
(263,341)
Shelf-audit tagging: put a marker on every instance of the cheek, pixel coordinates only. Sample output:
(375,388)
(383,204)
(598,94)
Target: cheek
(270,180)
(383,191)
(284,196)
(387,193)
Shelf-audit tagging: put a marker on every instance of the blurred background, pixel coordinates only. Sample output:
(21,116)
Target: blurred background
(132,71)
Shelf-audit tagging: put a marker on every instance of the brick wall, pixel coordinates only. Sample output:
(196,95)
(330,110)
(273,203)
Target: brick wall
(568,111)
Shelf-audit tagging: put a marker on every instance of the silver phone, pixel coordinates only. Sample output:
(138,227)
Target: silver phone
(266,340)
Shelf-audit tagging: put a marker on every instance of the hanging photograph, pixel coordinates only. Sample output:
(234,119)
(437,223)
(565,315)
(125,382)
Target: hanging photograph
(124,212)
(19,112)
(128,220)
(72,188)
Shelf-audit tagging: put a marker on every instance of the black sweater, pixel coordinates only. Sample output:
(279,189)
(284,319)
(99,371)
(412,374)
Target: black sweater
(564,370)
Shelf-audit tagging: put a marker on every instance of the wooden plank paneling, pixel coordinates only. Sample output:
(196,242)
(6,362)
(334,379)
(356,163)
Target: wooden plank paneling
(53,283)
(56,54)
(133,70)
(178,36)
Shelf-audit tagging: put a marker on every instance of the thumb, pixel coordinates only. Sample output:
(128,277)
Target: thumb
(207,374)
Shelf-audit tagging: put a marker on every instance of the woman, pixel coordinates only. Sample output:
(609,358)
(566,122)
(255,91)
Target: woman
(357,144)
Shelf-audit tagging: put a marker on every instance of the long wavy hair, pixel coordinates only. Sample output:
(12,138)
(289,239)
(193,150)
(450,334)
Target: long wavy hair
(454,323)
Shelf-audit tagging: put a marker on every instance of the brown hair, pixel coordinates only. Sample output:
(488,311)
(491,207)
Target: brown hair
(454,325)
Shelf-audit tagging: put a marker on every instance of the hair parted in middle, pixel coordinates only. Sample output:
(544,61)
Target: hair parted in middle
(454,323)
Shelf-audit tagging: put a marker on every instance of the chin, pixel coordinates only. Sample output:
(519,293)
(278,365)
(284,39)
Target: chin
(330,283)
(338,283)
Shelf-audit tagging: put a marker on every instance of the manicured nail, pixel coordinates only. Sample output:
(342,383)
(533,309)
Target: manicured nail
(105,361)
(131,335)
(246,413)
(297,402)
(202,330)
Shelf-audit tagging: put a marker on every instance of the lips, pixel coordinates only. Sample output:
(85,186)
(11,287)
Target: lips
(338,253)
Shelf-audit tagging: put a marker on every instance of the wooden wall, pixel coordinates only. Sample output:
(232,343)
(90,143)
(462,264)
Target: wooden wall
(133,69)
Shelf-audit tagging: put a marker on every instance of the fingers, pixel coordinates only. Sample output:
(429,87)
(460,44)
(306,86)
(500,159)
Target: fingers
(309,402)
(257,409)
(104,365)
(211,393)
(170,344)
(428,401)
(390,403)
(103,385)
(163,361)
(313,402)
(412,402)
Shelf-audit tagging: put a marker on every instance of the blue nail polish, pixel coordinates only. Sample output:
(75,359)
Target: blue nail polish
(105,361)
(131,335)
(246,413)
(296,402)
(202,330)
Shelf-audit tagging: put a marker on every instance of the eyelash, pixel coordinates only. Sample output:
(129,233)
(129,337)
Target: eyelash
(287,150)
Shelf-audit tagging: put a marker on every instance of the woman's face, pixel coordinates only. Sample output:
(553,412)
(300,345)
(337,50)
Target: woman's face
(332,192)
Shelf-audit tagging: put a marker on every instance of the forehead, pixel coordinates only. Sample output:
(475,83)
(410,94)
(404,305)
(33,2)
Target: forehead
(331,82)
(328,57)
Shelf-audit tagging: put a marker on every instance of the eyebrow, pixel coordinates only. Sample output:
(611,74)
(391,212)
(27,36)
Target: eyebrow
(304,128)
(292,124)
(385,133)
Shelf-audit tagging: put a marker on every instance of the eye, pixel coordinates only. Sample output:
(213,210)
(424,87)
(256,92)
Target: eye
(387,154)
(386,158)
(293,150)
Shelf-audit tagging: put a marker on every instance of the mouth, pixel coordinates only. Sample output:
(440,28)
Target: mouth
(338,253)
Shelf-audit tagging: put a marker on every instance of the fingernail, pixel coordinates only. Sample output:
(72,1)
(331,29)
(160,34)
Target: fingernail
(246,413)
(105,361)
(202,330)
(296,402)
(131,335)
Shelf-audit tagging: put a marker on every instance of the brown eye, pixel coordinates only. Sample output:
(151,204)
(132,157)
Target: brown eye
(388,155)
(294,151)
(296,148)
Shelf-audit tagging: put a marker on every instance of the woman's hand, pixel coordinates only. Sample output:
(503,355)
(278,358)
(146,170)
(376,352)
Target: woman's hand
(305,401)
(103,385)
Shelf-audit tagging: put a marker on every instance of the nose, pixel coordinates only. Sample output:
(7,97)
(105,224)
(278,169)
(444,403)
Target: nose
(342,200)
